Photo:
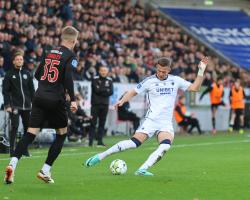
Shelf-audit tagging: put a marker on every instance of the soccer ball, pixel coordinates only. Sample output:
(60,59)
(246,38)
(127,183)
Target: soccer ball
(118,167)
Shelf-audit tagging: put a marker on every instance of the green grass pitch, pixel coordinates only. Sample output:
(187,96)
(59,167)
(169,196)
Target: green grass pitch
(196,168)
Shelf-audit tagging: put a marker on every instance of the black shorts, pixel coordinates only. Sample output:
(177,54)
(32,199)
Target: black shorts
(239,111)
(217,105)
(48,114)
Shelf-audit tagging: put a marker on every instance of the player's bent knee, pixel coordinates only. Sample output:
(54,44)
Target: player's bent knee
(166,141)
(136,141)
(61,131)
(165,136)
(165,145)
(33,130)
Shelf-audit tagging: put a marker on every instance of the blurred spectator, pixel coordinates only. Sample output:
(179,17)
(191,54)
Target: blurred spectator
(30,65)
(237,100)
(114,74)
(125,114)
(114,33)
(2,72)
(123,75)
(66,11)
(78,72)
(79,122)
(183,119)
(216,92)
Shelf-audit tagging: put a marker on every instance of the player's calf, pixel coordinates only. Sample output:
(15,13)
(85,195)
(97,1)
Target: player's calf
(156,155)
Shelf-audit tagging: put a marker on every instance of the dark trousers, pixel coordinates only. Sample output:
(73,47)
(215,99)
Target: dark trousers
(130,116)
(98,112)
(191,123)
(14,118)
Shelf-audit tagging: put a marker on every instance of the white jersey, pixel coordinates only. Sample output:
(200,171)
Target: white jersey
(161,96)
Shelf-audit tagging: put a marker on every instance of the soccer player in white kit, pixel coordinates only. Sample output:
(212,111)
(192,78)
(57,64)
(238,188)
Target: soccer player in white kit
(161,90)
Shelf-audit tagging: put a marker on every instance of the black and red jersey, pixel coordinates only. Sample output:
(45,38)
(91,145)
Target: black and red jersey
(54,74)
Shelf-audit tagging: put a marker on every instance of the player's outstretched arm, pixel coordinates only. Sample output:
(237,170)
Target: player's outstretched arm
(195,86)
(129,95)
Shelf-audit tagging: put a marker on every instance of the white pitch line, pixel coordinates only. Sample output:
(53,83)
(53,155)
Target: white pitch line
(63,154)
(211,143)
(174,146)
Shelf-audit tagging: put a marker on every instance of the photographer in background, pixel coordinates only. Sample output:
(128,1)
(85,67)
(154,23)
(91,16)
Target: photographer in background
(125,114)
(183,120)
(79,122)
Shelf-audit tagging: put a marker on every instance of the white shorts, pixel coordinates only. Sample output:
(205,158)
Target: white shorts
(151,128)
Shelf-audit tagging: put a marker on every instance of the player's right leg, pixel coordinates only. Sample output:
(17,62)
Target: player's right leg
(134,142)
(20,149)
(59,121)
(54,151)
(165,140)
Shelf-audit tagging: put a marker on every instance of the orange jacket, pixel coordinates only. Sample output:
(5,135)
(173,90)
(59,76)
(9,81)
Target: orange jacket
(178,116)
(237,98)
(216,94)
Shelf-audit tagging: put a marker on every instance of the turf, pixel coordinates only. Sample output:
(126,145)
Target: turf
(196,168)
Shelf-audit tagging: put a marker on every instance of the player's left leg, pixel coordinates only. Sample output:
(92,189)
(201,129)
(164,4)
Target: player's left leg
(58,119)
(54,151)
(165,140)
(25,114)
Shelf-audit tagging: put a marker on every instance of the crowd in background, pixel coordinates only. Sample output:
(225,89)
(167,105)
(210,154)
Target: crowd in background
(114,33)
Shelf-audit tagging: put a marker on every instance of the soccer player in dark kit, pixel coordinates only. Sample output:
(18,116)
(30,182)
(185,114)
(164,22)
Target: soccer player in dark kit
(49,104)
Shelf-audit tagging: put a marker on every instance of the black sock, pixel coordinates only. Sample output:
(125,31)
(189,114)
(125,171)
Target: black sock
(190,129)
(213,122)
(23,144)
(199,129)
(55,149)
(12,139)
(197,124)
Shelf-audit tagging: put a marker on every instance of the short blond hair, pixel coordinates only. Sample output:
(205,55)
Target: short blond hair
(17,52)
(69,33)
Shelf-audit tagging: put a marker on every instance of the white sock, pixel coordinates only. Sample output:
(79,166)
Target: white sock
(120,146)
(46,168)
(155,156)
(13,162)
